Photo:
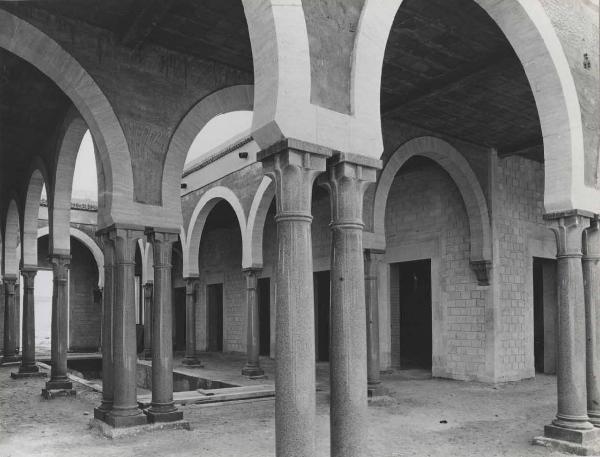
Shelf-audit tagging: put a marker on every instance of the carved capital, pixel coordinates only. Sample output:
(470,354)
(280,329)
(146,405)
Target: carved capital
(162,247)
(28,273)
(251,275)
(10,283)
(60,265)
(372,258)
(591,241)
(191,285)
(482,269)
(568,231)
(293,171)
(125,240)
(148,289)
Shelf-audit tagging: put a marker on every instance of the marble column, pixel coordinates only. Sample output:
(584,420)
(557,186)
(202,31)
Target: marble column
(10,331)
(59,326)
(293,170)
(591,286)
(162,408)
(108,249)
(571,422)
(148,294)
(125,411)
(191,294)
(28,367)
(348,178)
(252,367)
(372,259)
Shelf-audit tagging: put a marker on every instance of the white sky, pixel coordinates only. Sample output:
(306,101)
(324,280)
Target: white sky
(217,131)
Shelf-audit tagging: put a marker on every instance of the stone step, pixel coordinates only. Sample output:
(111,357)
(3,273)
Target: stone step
(215,395)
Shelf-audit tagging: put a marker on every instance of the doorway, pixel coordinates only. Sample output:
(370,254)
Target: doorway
(544,315)
(264,316)
(414,314)
(322,307)
(215,317)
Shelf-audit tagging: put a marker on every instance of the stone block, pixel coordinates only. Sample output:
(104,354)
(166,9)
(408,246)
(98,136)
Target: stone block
(125,421)
(171,416)
(113,433)
(51,394)
(28,374)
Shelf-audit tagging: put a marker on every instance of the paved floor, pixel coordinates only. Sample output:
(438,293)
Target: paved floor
(418,417)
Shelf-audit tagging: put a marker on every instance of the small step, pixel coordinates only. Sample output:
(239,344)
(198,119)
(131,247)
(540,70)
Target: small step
(215,395)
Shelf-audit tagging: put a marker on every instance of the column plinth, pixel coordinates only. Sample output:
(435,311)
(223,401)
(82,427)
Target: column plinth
(252,367)
(108,295)
(191,294)
(591,285)
(293,170)
(571,422)
(28,367)
(9,355)
(348,178)
(148,294)
(372,259)
(125,411)
(162,408)
(59,327)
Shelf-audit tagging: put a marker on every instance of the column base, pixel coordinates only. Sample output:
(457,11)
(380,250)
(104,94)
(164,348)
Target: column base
(594,418)
(118,421)
(59,384)
(166,416)
(51,394)
(100,412)
(192,361)
(252,371)
(28,372)
(110,432)
(578,442)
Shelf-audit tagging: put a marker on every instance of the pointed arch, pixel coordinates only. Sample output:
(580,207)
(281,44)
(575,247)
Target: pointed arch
(256,221)
(32,45)
(529,30)
(196,226)
(233,98)
(445,155)
(37,178)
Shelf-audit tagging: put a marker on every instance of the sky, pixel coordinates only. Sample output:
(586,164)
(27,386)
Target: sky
(217,131)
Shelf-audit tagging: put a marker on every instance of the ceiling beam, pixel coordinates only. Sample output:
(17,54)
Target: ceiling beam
(467,74)
(144,22)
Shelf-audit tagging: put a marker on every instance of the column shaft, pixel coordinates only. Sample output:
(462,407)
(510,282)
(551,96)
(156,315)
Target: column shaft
(10,304)
(163,408)
(108,298)
(571,364)
(60,324)
(28,364)
(372,260)
(293,172)
(347,182)
(191,293)
(252,367)
(148,294)
(591,281)
(125,411)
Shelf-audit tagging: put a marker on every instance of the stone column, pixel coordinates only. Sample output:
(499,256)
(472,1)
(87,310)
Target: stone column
(571,421)
(591,286)
(108,296)
(125,411)
(28,366)
(163,408)
(252,367)
(10,304)
(191,292)
(294,170)
(59,326)
(148,294)
(348,178)
(372,260)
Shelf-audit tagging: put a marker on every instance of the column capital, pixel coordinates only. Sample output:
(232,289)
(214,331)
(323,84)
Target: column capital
(568,229)
(294,166)
(60,265)
(162,244)
(124,240)
(591,240)
(10,282)
(251,275)
(372,257)
(482,270)
(28,272)
(191,283)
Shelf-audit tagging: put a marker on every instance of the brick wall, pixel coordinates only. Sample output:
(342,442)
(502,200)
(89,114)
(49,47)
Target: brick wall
(424,205)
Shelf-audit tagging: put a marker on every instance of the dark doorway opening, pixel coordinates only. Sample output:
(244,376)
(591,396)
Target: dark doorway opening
(322,307)
(264,316)
(215,317)
(179,319)
(414,280)
(544,315)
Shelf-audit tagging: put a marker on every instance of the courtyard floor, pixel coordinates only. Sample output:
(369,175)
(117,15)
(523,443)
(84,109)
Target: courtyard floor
(418,416)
